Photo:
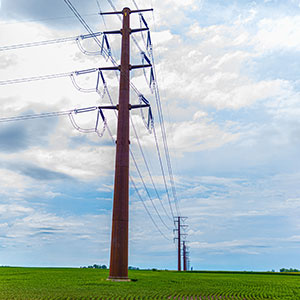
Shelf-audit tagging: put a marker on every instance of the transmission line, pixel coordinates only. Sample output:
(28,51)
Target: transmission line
(44,19)
(142,200)
(48,42)
(147,167)
(146,189)
(162,170)
(36,116)
(163,131)
(35,78)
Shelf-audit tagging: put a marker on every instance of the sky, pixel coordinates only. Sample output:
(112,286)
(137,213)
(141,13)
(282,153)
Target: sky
(227,73)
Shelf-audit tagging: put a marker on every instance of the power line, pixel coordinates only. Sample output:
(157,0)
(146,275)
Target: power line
(163,131)
(142,200)
(165,143)
(48,42)
(147,191)
(147,167)
(35,78)
(44,19)
(53,76)
(162,170)
(48,114)
(36,116)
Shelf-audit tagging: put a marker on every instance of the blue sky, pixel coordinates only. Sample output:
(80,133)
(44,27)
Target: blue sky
(228,78)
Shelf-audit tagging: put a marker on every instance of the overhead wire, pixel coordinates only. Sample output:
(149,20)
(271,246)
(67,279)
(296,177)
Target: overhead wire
(49,76)
(163,131)
(146,189)
(162,170)
(148,169)
(44,19)
(149,214)
(35,78)
(35,116)
(48,42)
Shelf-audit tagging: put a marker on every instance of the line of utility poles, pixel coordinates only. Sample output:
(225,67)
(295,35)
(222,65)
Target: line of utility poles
(181,242)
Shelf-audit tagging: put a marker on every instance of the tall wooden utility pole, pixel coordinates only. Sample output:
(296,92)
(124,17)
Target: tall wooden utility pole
(119,236)
(118,269)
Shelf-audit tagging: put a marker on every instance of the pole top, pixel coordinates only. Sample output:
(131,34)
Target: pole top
(126,9)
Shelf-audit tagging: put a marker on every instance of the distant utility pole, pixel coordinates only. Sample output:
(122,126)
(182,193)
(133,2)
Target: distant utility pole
(118,269)
(184,256)
(180,236)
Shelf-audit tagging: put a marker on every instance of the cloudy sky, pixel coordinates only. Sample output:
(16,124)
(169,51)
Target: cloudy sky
(228,78)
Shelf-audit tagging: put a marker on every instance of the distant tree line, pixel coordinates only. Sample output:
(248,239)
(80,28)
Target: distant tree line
(95,266)
(133,268)
(289,270)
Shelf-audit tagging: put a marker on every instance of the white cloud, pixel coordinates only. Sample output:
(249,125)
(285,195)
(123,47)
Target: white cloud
(198,135)
(277,34)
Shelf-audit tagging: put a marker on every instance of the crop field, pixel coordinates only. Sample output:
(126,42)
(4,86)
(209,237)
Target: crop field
(63,283)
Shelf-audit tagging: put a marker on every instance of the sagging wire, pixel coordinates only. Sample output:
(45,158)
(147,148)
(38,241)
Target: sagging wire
(69,113)
(48,42)
(146,189)
(148,169)
(154,88)
(35,78)
(46,77)
(148,212)
(35,116)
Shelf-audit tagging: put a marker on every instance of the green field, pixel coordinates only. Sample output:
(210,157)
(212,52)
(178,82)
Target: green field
(62,283)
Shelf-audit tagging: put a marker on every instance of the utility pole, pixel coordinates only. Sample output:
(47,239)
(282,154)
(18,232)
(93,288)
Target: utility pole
(118,269)
(179,245)
(119,236)
(179,237)
(184,256)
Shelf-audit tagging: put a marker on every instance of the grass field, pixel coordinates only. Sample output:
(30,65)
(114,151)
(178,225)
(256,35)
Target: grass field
(56,283)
